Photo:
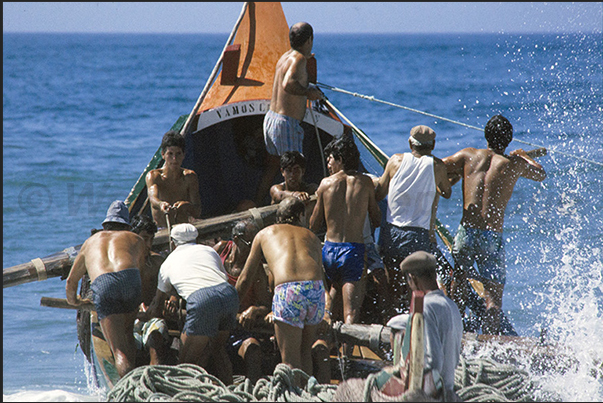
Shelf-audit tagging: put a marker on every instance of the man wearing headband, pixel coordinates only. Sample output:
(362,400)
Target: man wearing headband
(112,259)
(413,183)
(196,273)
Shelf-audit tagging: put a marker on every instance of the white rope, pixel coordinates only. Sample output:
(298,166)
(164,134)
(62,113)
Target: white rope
(373,99)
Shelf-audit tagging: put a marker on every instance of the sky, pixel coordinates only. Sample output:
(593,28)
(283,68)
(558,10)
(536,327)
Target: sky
(325,17)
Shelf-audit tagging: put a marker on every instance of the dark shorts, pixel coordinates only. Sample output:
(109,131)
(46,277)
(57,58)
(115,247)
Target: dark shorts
(343,261)
(484,248)
(396,243)
(210,310)
(117,292)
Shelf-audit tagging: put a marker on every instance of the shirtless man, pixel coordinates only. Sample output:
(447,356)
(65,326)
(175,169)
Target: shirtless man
(343,200)
(290,92)
(489,177)
(414,182)
(173,190)
(112,259)
(293,168)
(292,253)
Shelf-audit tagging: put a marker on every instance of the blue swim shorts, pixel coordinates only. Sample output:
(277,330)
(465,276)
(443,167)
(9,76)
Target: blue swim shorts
(484,248)
(396,243)
(282,133)
(373,260)
(299,303)
(117,292)
(343,261)
(211,309)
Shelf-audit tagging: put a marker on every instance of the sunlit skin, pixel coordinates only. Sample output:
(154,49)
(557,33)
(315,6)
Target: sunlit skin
(173,190)
(489,177)
(344,199)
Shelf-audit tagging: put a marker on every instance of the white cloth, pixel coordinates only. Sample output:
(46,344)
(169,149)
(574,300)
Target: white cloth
(411,193)
(443,335)
(189,268)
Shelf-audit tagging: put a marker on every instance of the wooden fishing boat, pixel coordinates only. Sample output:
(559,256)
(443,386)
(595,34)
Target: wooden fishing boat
(225,147)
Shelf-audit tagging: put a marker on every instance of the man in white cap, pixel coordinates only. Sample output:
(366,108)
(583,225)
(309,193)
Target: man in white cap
(196,273)
(413,183)
(112,259)
(443,326)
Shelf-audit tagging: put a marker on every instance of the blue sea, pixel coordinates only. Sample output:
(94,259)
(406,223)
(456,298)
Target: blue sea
(84,113)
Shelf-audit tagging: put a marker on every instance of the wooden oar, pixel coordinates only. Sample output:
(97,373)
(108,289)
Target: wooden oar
(55,265)
(62,303)
(59,264)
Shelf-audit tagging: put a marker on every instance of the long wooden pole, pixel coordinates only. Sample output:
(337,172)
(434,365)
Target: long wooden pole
(189,120)
(59,264)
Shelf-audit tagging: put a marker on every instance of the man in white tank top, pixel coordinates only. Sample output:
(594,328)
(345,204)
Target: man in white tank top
(413,183)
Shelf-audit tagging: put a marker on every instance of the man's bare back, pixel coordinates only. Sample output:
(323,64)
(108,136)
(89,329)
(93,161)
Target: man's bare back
(104,252)
(343,200)
(290,79)
(290,89)
(488,182)
(293,253)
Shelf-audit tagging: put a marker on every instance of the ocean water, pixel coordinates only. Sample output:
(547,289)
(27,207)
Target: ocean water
(83,115)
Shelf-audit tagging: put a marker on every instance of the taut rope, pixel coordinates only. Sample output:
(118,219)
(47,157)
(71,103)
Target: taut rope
(373,99)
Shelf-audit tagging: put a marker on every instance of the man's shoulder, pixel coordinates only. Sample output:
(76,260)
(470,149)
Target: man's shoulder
(153,175)
(189,173)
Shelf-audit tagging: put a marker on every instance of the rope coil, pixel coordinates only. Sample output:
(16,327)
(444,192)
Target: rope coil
(476,380)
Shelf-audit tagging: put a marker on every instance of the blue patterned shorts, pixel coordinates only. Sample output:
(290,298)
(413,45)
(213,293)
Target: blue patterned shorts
(116,292)
(484,248)
(299,303)
(282,133)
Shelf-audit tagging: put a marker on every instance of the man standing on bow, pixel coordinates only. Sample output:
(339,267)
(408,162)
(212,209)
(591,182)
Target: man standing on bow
(290,93)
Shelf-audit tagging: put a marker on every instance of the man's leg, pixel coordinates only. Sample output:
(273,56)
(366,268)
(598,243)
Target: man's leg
(251,353)
(289,339)
(493,296)
(352,300)
(308,338)
(192,348)
(385,300)
(222,367)
(119,333)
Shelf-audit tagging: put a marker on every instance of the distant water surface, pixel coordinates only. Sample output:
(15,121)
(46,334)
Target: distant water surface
(83,115)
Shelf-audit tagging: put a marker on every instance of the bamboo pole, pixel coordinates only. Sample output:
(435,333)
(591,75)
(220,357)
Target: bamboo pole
(59,264)
(62,303)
